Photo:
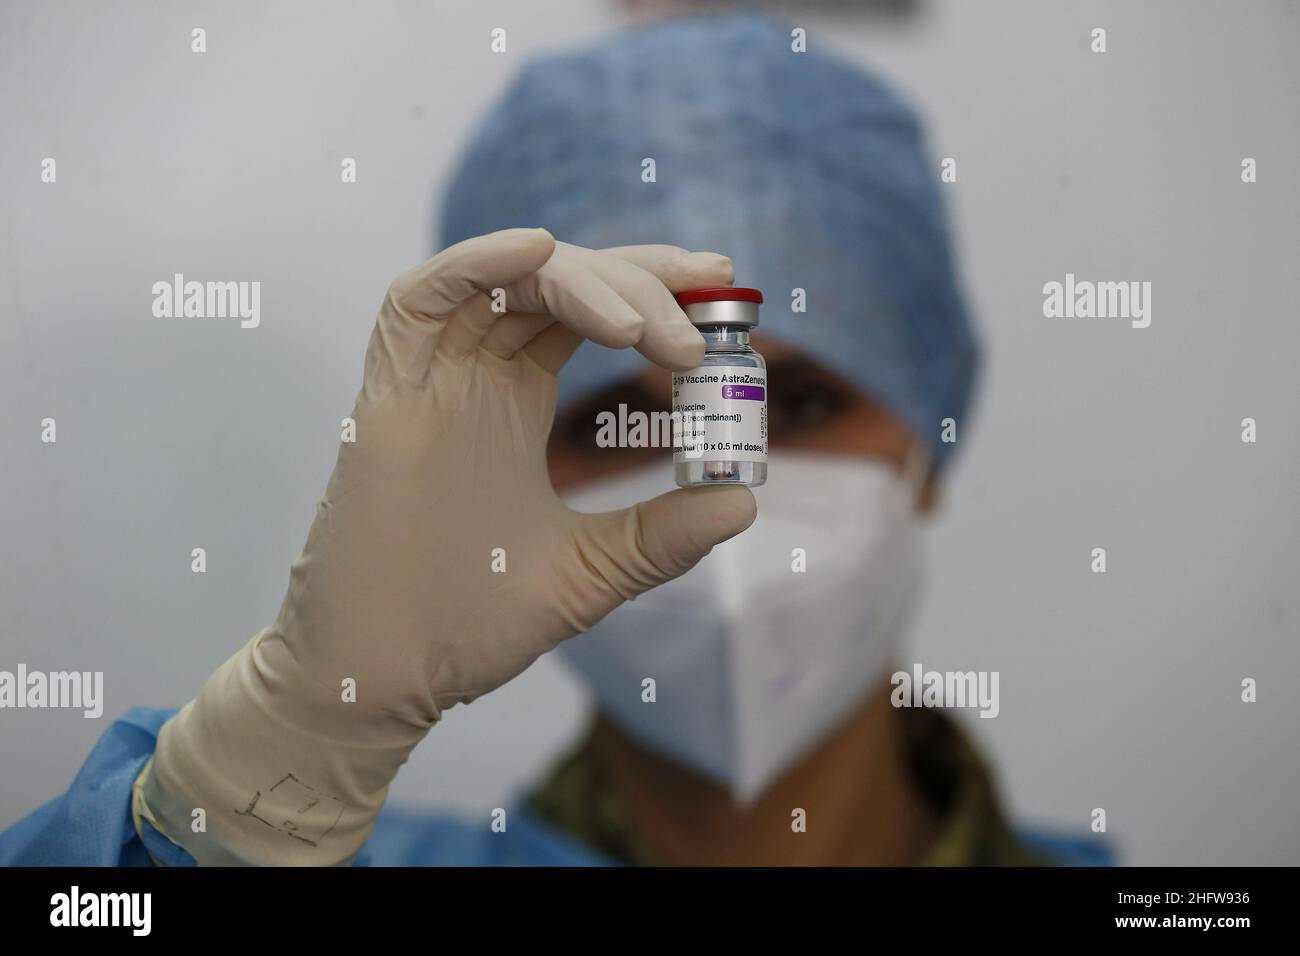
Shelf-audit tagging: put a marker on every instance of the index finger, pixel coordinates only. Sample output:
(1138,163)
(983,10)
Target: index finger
(677,268)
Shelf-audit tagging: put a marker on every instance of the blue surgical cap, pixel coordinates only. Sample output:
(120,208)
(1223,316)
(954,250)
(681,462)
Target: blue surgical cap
(806,171)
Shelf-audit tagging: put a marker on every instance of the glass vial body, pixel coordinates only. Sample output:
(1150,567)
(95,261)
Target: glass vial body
(720,407)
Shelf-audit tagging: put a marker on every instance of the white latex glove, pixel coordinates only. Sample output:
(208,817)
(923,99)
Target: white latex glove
(393,611)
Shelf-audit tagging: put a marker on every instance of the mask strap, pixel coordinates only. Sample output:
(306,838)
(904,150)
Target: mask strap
(916,470)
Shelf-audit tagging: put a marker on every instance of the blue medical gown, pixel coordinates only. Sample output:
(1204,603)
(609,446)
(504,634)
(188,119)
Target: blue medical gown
(90,824)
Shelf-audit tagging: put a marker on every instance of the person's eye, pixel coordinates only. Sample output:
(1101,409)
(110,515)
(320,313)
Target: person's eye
(577,429)
(805,407)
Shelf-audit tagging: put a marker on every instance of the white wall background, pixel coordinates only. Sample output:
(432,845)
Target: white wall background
(1119,691)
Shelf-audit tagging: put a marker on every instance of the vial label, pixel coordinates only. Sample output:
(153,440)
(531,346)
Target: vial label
(720,414)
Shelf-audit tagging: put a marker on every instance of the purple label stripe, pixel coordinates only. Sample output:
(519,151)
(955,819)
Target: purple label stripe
(753,393)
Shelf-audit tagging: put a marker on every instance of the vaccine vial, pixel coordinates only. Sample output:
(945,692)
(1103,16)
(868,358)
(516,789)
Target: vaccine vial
(719,410)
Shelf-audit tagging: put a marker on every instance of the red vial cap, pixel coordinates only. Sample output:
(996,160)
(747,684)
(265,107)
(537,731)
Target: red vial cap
(719,295)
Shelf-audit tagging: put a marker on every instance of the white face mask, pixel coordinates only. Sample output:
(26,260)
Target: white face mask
(753,662)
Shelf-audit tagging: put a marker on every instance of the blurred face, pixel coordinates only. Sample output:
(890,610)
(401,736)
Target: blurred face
(760,663)
(810,409)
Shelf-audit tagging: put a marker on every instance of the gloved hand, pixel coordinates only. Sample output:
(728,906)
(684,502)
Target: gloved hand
(441,563)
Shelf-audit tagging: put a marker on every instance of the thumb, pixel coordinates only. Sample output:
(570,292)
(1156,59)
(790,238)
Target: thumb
(657,540)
